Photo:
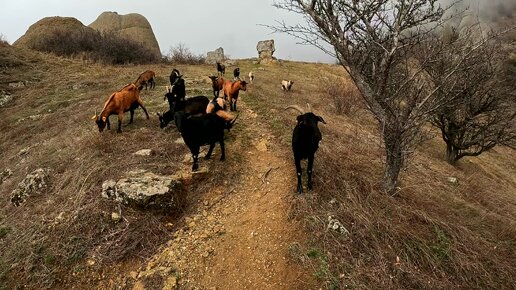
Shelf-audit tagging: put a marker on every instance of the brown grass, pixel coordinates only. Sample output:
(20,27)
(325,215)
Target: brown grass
(433,234)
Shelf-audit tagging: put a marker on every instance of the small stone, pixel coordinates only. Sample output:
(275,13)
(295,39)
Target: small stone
(262,145)
(170,283)
(143,152)
(19,84)
(133,274)
(115,217)
(453,180)
(90,262)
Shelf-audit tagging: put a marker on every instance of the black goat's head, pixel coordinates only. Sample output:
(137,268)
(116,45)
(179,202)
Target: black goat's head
(307,118)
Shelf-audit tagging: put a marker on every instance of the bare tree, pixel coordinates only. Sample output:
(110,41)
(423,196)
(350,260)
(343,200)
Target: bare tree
(386,47)
(482,110)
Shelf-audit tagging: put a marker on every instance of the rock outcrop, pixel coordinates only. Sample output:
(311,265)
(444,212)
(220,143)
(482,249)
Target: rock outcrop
(132,26)
(145,189)
(215,56)
(34,183)
(265,50)
(46,27)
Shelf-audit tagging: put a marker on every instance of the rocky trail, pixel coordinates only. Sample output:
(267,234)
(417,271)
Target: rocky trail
(238,234)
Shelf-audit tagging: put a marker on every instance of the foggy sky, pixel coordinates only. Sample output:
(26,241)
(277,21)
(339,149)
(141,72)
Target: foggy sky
(202,25)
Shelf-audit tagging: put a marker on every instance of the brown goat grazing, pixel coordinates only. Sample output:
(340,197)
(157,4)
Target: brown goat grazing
(146,78)
(231,90)
(127,99)
(286,85)
(218,84)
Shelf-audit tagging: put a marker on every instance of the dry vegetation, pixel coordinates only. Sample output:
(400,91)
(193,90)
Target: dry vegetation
(432,234)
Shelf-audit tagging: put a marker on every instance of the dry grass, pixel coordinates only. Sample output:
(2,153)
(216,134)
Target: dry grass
(433,234)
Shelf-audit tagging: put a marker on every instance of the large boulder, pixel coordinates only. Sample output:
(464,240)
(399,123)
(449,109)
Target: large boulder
(265,50)
(132,26)
(215,56)
(45,27)
(34,183)
(145,189)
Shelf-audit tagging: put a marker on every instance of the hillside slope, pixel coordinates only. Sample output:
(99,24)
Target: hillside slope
(242,225)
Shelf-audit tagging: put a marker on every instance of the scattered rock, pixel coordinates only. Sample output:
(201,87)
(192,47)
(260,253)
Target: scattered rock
(34,183)
(19,84)
(78,86)
(170,283)
(261,146)
(115,217)
(453,180)
(133,274)
(5,98)
(5,174)
(144,152)
(335,225)
(145,189)
(215,56)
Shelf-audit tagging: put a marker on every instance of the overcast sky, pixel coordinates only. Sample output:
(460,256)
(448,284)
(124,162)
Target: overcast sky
(202,25)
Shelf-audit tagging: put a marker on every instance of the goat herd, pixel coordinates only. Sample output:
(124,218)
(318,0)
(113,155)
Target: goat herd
(202,122)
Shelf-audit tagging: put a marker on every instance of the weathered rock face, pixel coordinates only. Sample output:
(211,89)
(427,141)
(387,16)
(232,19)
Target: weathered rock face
(34,183)
(131,26)
(46,27)
(145,189)
(215,56)
(265,50)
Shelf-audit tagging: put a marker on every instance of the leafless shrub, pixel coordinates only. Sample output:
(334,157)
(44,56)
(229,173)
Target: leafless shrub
(181,54)
(346,98)
(105,48)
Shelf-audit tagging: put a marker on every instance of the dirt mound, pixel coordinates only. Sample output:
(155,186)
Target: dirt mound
(133,26)
(46,27)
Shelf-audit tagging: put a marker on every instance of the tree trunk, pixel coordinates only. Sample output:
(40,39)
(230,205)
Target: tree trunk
(452,153)
(394,161)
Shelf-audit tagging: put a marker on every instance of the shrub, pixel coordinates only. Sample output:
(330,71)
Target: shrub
(107,48)
(345,96)
(181,54)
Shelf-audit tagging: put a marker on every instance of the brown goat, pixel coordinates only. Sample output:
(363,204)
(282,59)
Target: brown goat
(126,99)
(231,90)
(146,78)
(218,84)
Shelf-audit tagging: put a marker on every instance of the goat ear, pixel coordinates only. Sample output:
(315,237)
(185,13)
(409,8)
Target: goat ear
(321,119)
(104,119)
(299,119)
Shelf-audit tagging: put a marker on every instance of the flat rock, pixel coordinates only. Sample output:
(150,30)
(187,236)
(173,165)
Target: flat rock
(144,152)
(145,190)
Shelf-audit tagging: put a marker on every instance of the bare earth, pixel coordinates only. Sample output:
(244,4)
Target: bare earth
(239,235)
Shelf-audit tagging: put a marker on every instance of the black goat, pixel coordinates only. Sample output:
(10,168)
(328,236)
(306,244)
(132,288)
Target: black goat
(236,73)
(177,92)
(202,130)
(192,106)
(174,75)
(221,69)
(305,142)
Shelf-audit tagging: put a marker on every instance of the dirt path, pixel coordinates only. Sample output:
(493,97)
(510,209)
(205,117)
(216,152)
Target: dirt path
(239,235)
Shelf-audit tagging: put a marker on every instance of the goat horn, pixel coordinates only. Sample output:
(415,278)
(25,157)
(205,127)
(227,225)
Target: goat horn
(295,107)
(234,120)
(309,107)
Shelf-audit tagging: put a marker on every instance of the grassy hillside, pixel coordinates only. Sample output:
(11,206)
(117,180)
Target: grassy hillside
(432,234)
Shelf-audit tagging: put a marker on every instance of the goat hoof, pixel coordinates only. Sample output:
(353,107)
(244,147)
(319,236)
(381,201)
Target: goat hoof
(195,167)
(207,157)
(222,158)
(310,187)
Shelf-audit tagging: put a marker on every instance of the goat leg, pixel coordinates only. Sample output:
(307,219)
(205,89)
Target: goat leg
(299,172)
(107,122)
(120,119)
(222,149)
(309,171)
(132,116)
(208,155)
